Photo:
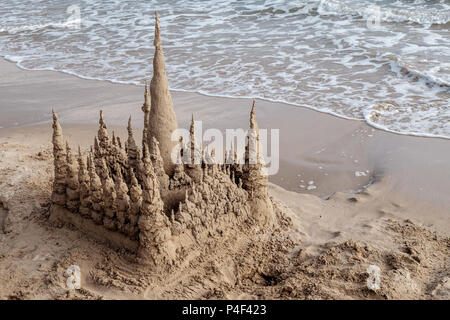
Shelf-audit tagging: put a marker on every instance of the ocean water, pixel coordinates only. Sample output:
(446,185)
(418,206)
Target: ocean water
(384,62)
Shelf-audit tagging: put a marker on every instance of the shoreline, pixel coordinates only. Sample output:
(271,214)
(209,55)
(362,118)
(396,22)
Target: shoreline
(114,82)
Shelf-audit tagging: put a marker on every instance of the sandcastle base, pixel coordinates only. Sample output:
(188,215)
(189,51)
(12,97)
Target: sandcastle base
(87,226)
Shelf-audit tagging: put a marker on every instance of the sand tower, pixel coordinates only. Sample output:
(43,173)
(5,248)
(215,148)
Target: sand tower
(163,121)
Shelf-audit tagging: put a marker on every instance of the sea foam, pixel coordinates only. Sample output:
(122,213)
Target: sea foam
(315,54)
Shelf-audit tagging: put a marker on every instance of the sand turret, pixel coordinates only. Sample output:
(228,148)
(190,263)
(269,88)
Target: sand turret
(72,184)
(122,202)
(109,198)
(84,185)
(255,179)
(153,223)
(163,121)
(158,164)
(194,155)
(135,205)
(60,164)
(139,167)
(132,150)
(118,156)
(96,193)
(103,134)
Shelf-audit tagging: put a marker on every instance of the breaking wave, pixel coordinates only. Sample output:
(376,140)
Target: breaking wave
(434,12)
(438,79)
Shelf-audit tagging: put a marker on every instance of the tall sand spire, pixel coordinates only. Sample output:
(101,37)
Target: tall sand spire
(131,146)
(194,155)
(253,152)
(60,163)
(255,179)
(163,121)
(103,133)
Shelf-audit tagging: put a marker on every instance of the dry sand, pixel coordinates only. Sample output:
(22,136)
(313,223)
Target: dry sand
(329,236)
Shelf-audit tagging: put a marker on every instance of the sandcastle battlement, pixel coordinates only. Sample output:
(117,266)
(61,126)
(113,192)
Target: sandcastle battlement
(138,199)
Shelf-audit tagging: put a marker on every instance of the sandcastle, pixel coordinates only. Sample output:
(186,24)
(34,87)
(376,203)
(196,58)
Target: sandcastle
(140,200)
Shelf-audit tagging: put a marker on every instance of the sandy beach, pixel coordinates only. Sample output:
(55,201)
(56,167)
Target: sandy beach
(379,199)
